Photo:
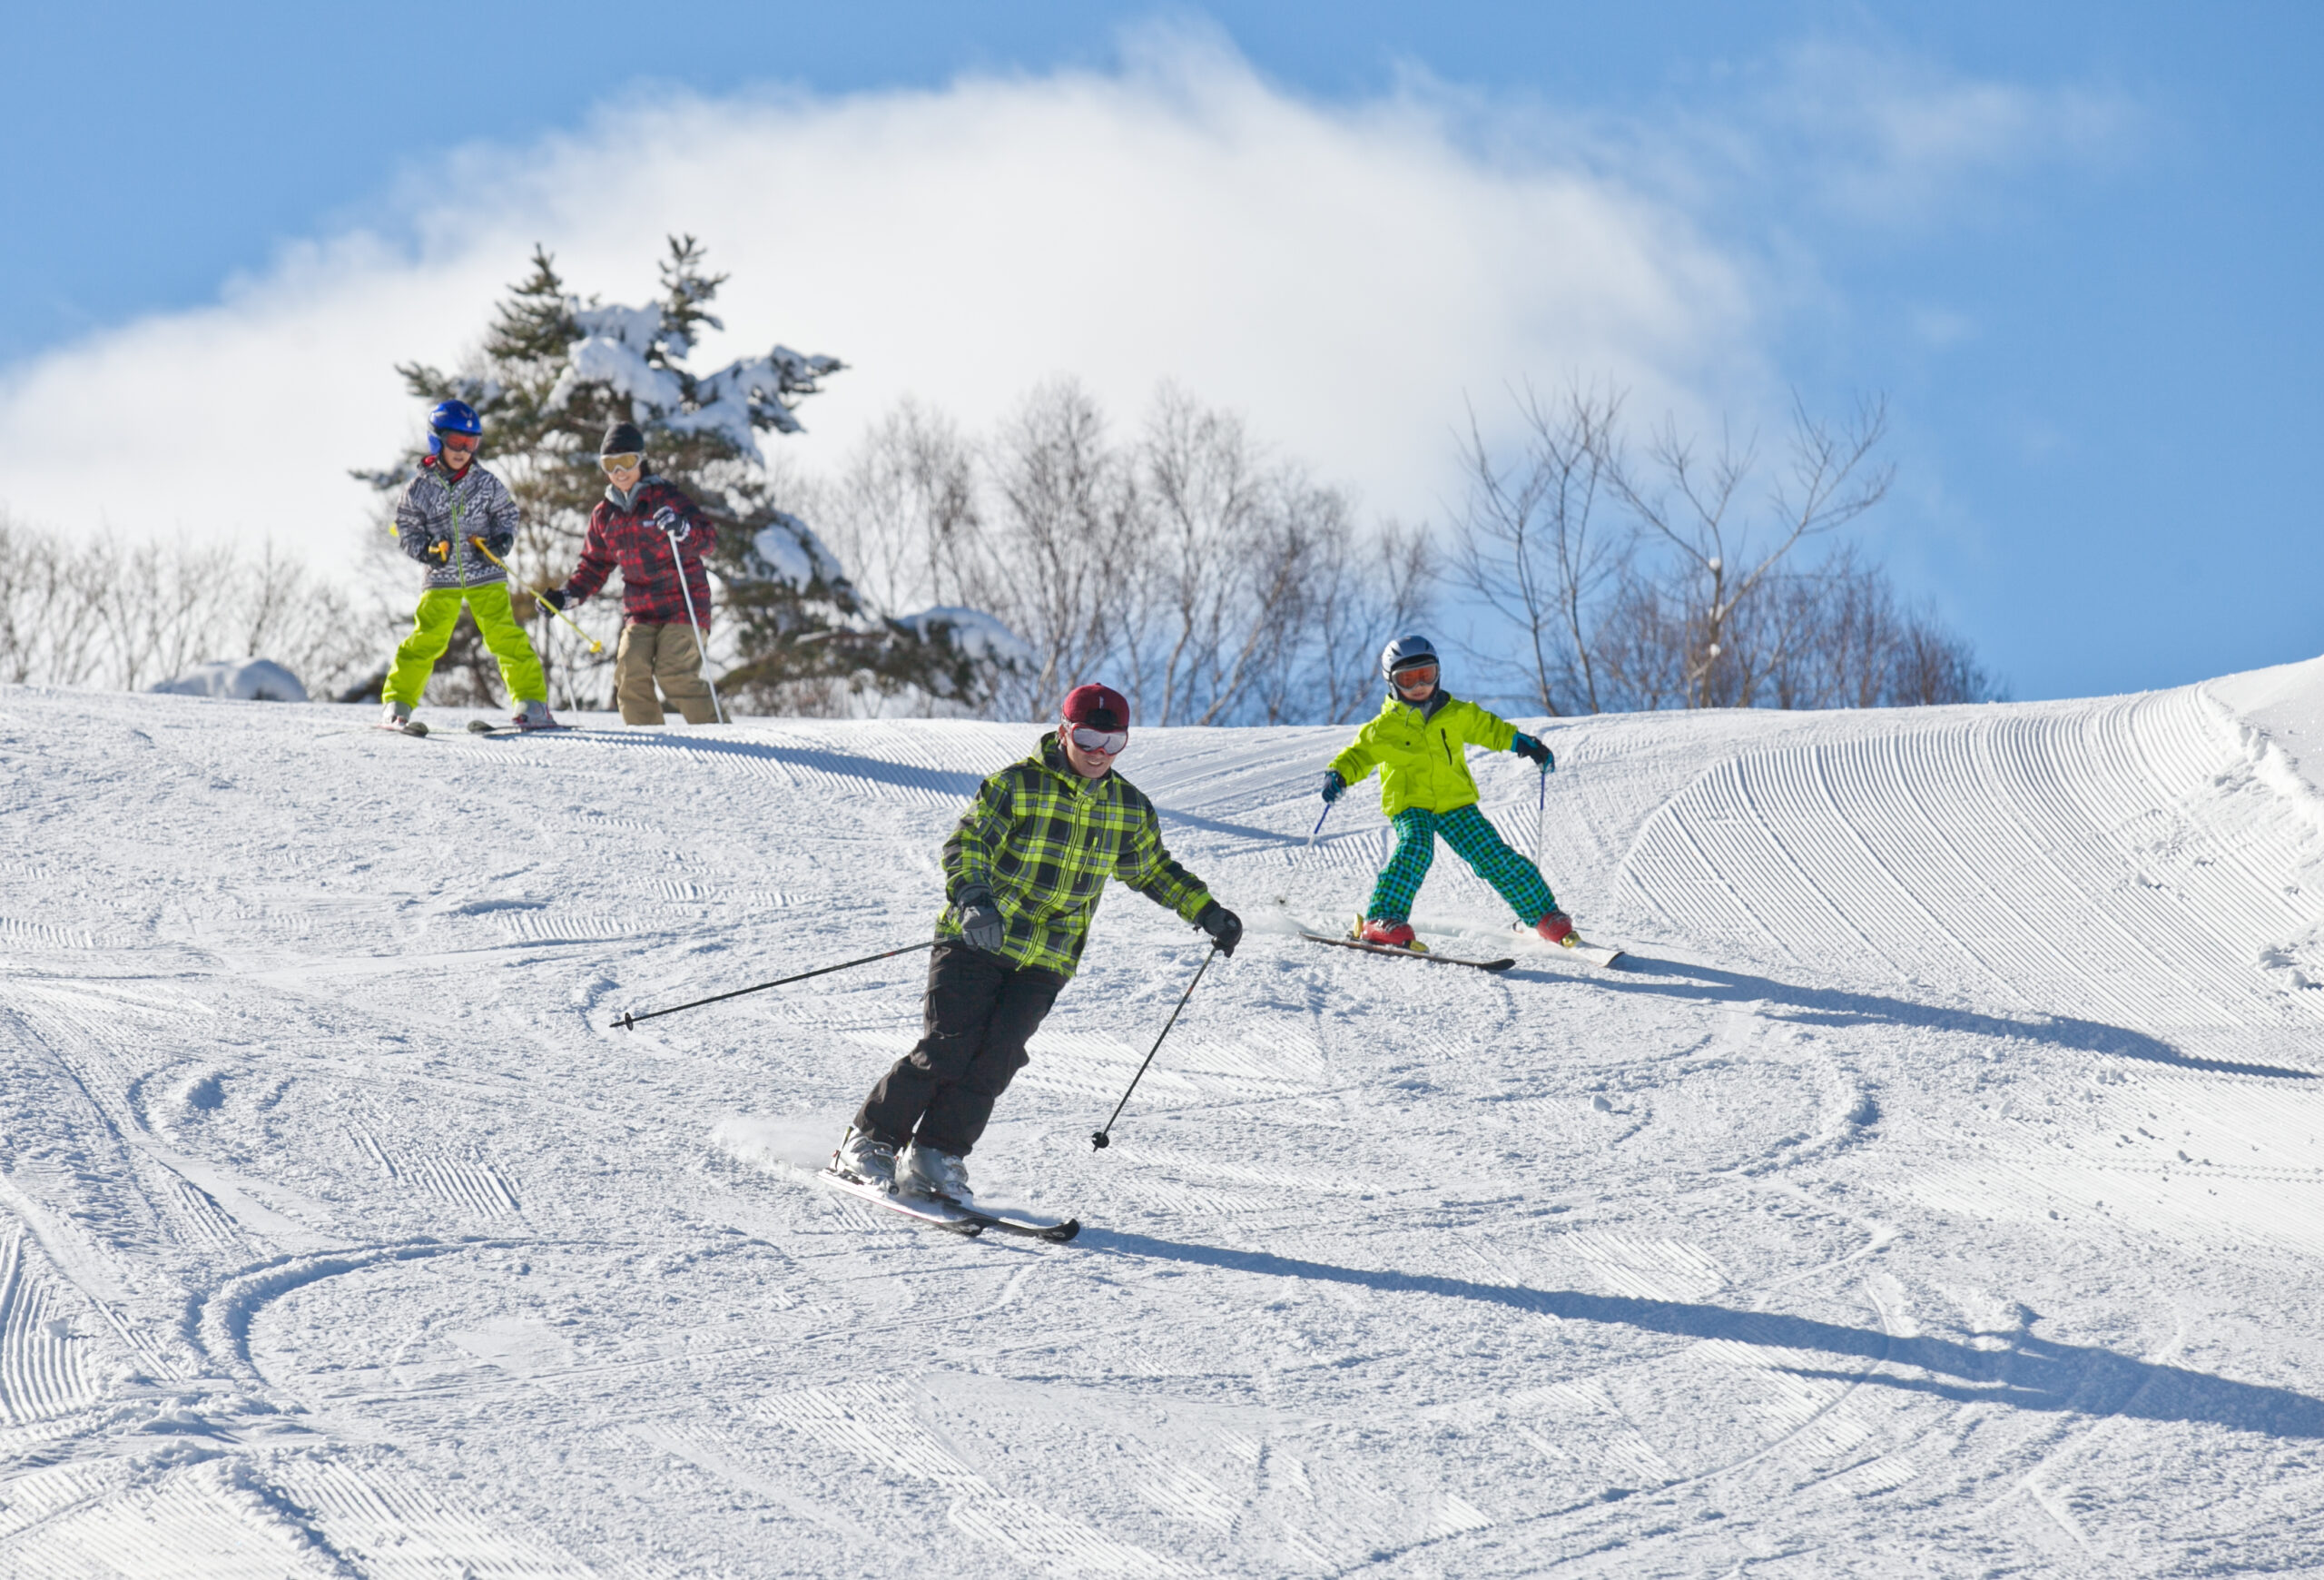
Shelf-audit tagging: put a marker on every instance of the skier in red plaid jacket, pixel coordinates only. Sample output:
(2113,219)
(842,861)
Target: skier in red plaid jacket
(632,530)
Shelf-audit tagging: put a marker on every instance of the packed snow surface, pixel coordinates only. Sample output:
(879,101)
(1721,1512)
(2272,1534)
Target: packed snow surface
(1937,1190)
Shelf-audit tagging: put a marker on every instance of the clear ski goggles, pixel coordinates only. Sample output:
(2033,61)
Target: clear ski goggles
(1106,742)
(1419,678)
(621,464)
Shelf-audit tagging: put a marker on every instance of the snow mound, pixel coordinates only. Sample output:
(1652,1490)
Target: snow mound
(243,679)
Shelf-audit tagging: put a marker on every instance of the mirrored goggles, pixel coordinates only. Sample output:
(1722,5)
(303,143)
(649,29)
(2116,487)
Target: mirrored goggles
(459,441)
(1106,743)
(1409,679)
(621,464)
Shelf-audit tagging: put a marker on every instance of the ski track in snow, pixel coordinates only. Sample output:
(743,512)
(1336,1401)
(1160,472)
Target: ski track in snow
(1937,1191)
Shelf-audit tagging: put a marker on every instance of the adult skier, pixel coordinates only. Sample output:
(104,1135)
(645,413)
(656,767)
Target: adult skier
(1418,742)
(662,541)
(1023,872)
(459,522)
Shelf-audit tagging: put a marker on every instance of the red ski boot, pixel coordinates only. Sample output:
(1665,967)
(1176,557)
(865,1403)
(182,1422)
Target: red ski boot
(1395,934)
(1558,928)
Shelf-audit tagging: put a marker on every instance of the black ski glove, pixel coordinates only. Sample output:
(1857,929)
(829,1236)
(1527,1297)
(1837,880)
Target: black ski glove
(1332,785)
(439,550)
(1525,745)
(1223,925)
(668,520)
(556,597)
(981,923)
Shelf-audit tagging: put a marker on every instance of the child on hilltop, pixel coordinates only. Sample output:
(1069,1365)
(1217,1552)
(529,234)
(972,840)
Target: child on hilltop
(459,522)
(1419,743)
(652,532)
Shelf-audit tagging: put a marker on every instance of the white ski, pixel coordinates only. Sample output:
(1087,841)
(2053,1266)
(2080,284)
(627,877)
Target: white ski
(1595,953)
(941,1215)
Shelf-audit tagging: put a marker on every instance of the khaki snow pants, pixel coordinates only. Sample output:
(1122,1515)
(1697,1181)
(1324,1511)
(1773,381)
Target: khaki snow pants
(666,655)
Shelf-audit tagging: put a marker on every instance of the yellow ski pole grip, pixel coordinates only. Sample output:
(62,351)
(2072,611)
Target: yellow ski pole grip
(594,646)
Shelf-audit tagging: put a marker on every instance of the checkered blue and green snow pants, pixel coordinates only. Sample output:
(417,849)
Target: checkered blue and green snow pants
(1476,842)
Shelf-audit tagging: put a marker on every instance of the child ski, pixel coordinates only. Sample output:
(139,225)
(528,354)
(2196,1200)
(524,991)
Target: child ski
(457,519)
(1419,743)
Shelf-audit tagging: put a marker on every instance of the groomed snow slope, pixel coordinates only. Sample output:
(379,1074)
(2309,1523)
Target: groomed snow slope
(1938,1191)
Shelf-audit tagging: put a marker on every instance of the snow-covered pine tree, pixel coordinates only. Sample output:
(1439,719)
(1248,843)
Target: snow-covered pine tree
(555,372)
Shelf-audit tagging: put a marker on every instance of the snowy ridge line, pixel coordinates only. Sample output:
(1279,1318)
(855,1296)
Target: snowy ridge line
(1770,817)
(2270,765)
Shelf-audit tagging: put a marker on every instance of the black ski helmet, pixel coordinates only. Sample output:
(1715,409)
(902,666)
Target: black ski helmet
(1405,653)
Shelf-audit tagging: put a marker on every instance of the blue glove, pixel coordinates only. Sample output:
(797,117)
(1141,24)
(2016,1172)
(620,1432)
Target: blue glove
(1332,787)
(981,923)
(1525,745)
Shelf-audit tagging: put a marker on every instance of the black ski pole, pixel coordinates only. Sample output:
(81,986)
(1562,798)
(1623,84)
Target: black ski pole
(1100,1139)
(627,1021)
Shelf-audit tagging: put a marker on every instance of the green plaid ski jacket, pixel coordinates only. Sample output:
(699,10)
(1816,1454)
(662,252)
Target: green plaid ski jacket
(1044,840)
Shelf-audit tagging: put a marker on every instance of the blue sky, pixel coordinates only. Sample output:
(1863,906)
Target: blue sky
(2074,244)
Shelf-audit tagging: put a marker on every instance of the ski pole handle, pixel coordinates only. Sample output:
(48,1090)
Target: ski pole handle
(628,1021)
(1103,1137)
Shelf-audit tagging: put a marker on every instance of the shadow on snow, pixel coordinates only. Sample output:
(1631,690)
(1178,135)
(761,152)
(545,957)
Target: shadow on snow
(1840,1007)
(2029,1374)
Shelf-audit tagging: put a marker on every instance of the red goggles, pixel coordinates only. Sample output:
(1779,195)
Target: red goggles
(459,441)
(1106,742)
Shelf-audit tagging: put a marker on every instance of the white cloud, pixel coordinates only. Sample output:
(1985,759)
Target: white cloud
(1348,276)
(1891,139)
(1344,275)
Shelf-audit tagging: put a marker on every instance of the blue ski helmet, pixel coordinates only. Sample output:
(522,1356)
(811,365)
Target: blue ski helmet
(452,417)
(1405,653)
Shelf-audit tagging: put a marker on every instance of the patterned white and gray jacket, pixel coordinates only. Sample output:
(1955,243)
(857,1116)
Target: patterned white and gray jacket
(435,508)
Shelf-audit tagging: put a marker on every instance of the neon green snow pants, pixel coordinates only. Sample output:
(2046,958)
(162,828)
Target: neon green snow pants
(432,633)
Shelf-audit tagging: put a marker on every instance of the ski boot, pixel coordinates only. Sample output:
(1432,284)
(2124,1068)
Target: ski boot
(535,716)
(1556,927)
(866,1158)
(1395,934)
(398,717)
(939,1175)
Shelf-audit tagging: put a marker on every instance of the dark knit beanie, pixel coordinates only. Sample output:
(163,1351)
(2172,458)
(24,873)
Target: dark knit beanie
(623,439)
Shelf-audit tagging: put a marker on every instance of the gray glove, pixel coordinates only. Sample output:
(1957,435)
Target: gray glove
(981,923)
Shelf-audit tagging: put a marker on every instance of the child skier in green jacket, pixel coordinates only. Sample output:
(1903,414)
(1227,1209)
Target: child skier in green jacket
(1419,743)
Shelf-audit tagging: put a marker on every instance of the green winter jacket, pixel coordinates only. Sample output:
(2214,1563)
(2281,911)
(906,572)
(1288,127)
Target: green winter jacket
(1044,840)
(1419,749)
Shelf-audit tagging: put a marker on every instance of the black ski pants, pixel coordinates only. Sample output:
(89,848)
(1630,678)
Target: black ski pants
(979,1012)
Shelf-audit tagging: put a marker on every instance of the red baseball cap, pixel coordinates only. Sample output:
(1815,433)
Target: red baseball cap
(1100,708)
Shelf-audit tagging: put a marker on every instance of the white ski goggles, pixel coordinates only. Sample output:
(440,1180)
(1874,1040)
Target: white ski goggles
(1106,742)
